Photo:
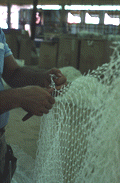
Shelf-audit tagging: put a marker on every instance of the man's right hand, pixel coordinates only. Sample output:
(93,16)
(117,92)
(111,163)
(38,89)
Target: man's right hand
(33,99)
(36,100)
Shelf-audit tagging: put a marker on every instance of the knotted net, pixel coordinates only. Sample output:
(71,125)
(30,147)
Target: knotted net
(79,140)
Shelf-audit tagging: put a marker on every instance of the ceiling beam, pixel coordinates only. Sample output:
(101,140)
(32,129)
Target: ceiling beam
(60,2)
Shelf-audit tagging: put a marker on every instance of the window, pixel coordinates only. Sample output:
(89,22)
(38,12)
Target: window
(73,18)
(109,20)
(91,20)
(3,17)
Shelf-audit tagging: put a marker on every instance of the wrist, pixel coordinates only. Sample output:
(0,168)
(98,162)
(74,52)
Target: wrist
(10,99)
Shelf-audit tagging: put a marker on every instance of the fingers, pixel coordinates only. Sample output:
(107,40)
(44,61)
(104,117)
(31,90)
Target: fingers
(49,90)
(49,106)
(61,80)
(44,110)
(51,100)
(55,71)
(37,100)
(46,106)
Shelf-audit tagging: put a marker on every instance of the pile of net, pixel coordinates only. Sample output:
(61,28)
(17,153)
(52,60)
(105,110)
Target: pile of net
(79,140)
(25,166)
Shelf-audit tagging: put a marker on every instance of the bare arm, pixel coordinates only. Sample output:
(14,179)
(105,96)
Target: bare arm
(17,76)
(9,99)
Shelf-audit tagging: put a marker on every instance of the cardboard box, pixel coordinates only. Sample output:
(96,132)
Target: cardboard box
(68,51)
(93,53)
(48,54)
(12,42)
(26,46)
(13,39)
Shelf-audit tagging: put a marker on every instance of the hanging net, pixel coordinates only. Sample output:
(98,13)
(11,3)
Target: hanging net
(79,140)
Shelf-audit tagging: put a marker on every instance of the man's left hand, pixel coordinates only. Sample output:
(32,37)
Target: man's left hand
(59,82)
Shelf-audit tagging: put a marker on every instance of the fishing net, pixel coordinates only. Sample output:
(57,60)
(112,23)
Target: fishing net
(25,166)
(79,140)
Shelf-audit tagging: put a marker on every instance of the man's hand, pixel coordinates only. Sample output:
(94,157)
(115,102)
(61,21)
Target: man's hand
(36,100)
(59,82)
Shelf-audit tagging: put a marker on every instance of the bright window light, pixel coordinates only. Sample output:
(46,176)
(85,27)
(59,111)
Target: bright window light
(27,28)
(73,18)
(110,21)
(49,7)
(14,16)
(91,20)
(3,17)
(90,7)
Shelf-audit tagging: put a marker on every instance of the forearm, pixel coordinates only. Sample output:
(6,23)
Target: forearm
(25,76)
(9,99)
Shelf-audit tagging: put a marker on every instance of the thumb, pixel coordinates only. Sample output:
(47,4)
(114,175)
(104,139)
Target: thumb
(49,90)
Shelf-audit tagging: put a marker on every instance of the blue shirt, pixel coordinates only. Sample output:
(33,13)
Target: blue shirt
(4,52)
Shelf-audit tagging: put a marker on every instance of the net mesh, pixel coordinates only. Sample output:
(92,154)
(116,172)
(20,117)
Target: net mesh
(79,140)
(25,166)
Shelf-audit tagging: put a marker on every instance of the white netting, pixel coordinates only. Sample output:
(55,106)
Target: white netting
(25,166)
(79,140)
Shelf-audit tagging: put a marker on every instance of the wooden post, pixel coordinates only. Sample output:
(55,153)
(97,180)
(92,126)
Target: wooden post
(101,23)
(63,19)
(83,12)
(33,24)
(8,16)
